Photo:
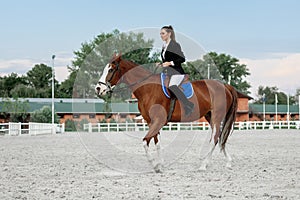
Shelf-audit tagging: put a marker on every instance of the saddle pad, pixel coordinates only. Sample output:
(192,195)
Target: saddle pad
(187,87)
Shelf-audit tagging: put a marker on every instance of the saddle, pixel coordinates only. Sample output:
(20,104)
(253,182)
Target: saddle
(185,86)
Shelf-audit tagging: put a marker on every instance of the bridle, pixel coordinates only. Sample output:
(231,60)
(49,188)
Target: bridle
(113,71)
(117,69)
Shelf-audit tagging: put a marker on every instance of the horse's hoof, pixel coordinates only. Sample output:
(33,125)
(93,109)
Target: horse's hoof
(157,168)
(203,165)
(228,166)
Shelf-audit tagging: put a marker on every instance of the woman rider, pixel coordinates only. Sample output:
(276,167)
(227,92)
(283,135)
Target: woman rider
(172,57)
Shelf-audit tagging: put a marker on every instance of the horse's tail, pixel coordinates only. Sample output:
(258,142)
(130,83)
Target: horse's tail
(229,118)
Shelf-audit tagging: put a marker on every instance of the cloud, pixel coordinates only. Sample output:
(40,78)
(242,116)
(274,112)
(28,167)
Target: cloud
(280,70)
(17,66)
(21,66)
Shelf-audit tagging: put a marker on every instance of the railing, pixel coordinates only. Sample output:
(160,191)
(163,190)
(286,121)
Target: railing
(30,128)
(249,125)
(117,127)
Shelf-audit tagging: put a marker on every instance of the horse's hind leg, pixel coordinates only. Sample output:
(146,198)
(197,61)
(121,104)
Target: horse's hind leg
(213,143)
(228,158)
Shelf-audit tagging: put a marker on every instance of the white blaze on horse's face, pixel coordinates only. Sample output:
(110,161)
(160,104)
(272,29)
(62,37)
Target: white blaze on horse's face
(101,88)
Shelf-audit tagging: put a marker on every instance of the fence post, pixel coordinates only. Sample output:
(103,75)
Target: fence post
(298,124)
(9,128)
(280,125)
(20,128)
(271,125)
(29,127)
(53,128)
(90,127)
(63,128)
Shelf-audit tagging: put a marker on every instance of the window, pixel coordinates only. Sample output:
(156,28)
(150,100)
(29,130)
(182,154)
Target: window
(92,116)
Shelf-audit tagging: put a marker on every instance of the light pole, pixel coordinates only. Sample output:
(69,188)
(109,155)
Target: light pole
(264,106)
(288,107)
(276,102)
(299,107)
(53,57)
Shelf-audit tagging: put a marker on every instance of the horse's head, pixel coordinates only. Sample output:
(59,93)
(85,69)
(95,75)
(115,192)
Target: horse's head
(110,76)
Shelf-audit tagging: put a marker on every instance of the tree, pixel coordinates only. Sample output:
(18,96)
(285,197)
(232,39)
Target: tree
(198,69)
(297,95)
(93,56)
(36,83)
(230,68)
(16,110)
(9,82)
(70,125)
(222,67)
(44,115)
(40,78)
(268,94)
(65,89)
(23,91)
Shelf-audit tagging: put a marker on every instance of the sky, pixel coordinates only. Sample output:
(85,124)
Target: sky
(263,34)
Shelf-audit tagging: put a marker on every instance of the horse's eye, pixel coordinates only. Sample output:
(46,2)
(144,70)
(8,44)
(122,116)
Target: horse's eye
(110,70)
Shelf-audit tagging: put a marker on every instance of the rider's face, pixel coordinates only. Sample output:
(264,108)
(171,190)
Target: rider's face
(164,35)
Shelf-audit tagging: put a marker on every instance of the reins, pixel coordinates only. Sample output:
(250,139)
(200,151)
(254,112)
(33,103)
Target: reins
(111,90)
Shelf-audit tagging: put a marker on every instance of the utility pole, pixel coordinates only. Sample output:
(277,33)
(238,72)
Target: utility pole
(53,74)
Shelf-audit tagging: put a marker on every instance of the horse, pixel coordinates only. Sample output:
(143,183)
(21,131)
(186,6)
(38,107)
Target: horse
(214,100)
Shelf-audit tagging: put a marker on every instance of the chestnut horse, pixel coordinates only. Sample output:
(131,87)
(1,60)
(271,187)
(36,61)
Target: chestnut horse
(214,100)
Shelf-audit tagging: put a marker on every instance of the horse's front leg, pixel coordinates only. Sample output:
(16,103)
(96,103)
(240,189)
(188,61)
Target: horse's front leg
(155,163)
(148,155)
(158,118)
(159,163)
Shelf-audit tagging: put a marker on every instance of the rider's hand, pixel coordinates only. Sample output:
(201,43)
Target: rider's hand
(158,64)
(166,64)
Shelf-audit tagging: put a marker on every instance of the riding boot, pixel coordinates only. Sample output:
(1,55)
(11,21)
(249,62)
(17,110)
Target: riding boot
(188,106)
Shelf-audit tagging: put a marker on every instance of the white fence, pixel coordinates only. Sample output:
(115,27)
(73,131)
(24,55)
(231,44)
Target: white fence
(30,128)
(249,125)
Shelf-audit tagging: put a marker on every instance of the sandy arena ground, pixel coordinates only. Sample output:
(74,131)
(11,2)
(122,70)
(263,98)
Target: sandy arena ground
(266,165)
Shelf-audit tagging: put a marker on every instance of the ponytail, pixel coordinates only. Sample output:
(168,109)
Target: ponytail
(170,29)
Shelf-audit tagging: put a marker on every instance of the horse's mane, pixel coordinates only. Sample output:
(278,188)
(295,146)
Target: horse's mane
(131,64)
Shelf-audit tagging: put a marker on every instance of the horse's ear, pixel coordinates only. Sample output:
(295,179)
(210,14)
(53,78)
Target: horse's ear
(118,57)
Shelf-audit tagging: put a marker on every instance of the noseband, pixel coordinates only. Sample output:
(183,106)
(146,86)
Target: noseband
(107,83)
